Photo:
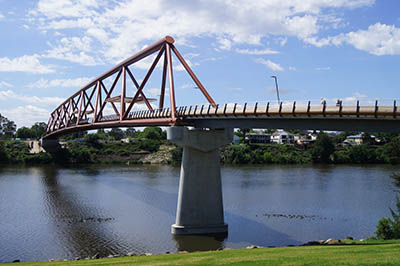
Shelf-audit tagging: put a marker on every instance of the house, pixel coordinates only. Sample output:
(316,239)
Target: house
(357,139)
(258,138)
(282,137)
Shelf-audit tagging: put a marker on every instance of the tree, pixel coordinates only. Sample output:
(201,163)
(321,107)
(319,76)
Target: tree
(116,133)
(7,128)
(322,149)
(154,133)
(24,133)
(130,132)
(39,129)
(241,133)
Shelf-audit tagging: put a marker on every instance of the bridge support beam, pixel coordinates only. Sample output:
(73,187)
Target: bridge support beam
(200,207)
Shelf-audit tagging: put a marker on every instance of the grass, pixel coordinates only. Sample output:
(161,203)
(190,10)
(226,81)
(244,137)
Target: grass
(371,252)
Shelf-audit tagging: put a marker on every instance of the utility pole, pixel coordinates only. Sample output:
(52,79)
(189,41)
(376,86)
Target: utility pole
(277,90)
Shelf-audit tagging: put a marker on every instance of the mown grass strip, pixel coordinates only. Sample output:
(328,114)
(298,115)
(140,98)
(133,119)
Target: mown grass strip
(367,253)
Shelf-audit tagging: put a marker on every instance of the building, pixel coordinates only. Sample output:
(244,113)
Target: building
(282,137)
(258,138)
(359,139)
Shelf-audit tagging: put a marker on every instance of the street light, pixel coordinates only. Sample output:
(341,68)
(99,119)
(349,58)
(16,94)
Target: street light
(277,90)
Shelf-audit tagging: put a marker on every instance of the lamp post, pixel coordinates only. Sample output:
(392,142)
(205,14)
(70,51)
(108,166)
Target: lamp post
(277,90)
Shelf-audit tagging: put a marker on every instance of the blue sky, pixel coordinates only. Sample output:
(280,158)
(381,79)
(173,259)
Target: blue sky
(348,49)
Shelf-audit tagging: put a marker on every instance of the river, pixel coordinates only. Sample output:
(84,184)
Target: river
(65,213)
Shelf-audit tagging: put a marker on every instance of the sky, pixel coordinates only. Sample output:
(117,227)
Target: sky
(331,49)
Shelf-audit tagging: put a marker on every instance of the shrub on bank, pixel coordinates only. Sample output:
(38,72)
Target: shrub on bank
(389,228)
(264,154)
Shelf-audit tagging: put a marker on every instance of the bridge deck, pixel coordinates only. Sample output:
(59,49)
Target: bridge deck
(327,117)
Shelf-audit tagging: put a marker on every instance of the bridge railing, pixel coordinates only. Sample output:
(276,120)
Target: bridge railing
(305,108)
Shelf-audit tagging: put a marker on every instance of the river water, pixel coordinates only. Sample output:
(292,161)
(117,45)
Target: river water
(64,213)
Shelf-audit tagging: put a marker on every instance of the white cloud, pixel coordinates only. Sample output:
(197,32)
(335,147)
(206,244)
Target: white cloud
(1,16)
(4,84)
(356,96)
(26,63)
(74,50)
(66,8)
(292,68)
(378,39)
(123,27)
(41,101)
(268,63)
(323,68)
(27,115)
(63,83)
(256,52)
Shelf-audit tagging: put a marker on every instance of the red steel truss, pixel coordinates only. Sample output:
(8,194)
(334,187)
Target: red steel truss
(84,109)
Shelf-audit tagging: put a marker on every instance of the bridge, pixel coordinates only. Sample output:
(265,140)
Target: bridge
(200,209)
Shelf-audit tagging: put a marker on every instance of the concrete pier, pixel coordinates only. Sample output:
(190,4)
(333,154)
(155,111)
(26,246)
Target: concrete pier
(50,145)
(200,206)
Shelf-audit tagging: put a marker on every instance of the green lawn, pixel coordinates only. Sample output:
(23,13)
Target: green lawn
(367,253)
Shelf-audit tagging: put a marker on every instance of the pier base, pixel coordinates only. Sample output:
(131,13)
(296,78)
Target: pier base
(200,207)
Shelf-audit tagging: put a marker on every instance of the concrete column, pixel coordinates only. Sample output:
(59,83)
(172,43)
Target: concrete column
(200,207)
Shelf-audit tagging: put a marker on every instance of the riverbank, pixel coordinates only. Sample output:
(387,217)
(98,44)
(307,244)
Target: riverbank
(371,252)
(164,152)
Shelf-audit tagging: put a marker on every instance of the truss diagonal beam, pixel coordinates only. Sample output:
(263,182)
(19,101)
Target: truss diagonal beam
(144,82)
(141,92)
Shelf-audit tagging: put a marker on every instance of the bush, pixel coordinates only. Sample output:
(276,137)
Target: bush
(388,228)
(149,145)
(39,158)
(3,153)
(362,154)
(340,157)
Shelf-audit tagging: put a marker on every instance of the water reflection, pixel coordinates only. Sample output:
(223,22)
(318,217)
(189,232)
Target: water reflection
(200,243)
(81,230)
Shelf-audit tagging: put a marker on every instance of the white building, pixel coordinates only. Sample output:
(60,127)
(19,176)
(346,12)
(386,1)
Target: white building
(282,137)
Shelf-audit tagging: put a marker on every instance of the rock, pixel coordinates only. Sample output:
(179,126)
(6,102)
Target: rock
(321,242)
(167,252)
(148,254)
(130,254)
(331,241)
(349,238)
(96,256)
(253,246)
(16,261)
(362,239)
(182,252)
(227,248)
(110,256)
